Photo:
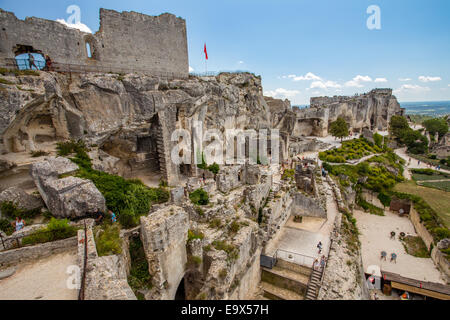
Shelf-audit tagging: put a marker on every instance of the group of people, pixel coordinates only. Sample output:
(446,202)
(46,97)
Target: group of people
(429,165)
(393,256)
(99,216)
(320,264)
(32,63)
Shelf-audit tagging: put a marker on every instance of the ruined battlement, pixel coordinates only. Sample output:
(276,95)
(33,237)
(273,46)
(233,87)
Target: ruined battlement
(126,41)
(317,102)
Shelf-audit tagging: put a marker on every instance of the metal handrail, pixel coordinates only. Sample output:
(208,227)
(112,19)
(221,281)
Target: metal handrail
(83,276)
(303,257)
(17,238)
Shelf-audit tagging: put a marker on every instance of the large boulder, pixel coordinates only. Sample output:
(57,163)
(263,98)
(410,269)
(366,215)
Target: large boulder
(68,197)
(21,199)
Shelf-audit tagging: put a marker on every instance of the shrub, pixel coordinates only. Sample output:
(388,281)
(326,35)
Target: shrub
(128,198)
(57,229)
(38,153)
(288,174)
(195,234)
(10,210)
(232,251)
(199,197)
(107,240)
(215,223)
(442,233)
(6,227)
(214,168)
(378,138)
(139,277)
(385,199)
(235,226)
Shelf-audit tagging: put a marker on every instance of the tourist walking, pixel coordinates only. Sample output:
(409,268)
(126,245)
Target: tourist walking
(31,61)
(393,257)
(319,246)
(113,216)
(322,262)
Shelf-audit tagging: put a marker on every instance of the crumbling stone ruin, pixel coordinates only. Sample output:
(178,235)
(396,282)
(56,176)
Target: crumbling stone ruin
(128,119)
(165,44)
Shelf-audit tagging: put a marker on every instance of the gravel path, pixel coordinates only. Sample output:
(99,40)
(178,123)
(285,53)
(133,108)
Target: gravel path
(44,279)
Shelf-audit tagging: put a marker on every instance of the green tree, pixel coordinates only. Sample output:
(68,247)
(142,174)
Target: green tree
(436,125)
(397,125)
(339,128)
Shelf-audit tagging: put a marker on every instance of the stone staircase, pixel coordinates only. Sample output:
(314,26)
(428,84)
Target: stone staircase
(313,285)
(161,153)
(285,281)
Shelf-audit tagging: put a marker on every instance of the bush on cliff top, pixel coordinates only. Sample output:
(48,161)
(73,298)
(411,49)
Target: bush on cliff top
(199,197)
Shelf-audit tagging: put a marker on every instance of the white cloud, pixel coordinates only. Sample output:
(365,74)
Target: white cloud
(357,81)
(404,79)
(324,84)
(241,62)
(381,80)
(307,77)
(281,93)
(191,69)
(429,79)
(80,26)
(411,88)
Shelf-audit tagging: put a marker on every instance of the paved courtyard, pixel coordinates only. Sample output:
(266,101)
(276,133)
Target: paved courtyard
(375,237)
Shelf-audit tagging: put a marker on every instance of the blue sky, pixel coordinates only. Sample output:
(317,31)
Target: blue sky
(302,48)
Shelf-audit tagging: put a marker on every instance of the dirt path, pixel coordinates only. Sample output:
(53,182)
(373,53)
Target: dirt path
(414,164)
(42,280)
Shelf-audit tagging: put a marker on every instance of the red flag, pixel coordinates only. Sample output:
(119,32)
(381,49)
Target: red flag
(206,52)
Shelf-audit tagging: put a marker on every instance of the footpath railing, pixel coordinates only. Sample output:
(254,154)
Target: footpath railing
(16,241)
(297,258)
(23,64)
(85,258)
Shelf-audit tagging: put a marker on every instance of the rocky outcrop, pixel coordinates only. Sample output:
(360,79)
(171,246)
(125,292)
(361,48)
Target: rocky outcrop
(164,235)
(21,199)
(66,197)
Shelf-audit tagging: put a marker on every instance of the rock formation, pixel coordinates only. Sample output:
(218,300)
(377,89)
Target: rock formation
(68,197)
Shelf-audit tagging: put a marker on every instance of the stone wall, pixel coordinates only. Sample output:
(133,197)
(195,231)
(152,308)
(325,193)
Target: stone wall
(39,251)
(436,255)
(307,207)
(164,236)
(125,41)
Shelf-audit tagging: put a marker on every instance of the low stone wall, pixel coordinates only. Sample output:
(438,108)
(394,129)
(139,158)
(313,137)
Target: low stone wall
(372,198)
(436,255)
(39,251)
(420,228)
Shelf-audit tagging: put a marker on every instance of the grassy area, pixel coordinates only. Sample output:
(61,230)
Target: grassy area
(139,277)
(440,185)
(438,200)
(107,239)
(415,247)
(428,174)
(350,150)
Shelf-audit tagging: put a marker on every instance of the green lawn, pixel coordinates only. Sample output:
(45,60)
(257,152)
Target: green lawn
(437,199)
(441,185)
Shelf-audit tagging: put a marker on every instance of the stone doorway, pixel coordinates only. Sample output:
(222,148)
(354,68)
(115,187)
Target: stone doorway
(181,291)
